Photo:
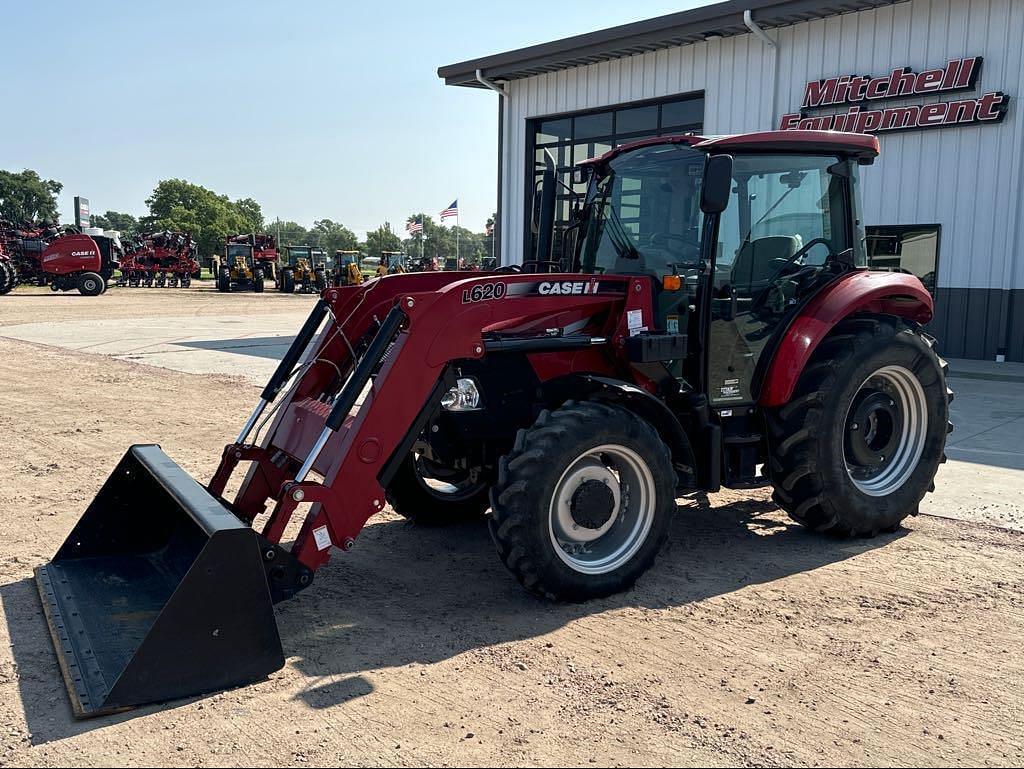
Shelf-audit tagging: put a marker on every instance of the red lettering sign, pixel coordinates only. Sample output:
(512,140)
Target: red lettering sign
(901,82)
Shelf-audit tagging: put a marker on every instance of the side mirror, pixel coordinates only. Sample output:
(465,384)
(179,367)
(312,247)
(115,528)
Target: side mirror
(717,186)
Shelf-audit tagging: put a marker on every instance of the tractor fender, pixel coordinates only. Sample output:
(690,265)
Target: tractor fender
(644,405)
(883,293)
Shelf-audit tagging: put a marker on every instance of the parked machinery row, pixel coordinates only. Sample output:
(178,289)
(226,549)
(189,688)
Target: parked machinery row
(42,254)
(160,259)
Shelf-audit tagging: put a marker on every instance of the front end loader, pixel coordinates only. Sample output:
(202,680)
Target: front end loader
(705,321)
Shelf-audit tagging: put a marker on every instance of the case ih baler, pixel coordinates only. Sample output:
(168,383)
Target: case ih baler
(160,259)
(709,323)
(44,256)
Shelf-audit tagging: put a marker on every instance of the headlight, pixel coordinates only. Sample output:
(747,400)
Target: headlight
(465,396)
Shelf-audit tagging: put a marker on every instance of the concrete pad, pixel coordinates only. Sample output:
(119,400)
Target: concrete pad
(247,346)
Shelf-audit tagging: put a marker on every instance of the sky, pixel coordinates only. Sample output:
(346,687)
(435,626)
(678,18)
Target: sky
(315,108)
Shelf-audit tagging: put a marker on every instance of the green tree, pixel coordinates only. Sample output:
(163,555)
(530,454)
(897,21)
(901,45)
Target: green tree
(289,233)
(26,197)
(252,213)
(126,224)
(332,236)
(382,239)
(180,205)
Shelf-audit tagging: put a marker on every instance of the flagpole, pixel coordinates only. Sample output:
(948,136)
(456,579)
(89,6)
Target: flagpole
(457,255)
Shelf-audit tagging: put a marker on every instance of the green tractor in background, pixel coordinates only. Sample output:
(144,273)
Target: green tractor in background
(304,271)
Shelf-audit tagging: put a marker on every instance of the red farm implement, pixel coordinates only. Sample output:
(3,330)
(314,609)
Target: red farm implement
(706,321)
(42,255)
(161,259)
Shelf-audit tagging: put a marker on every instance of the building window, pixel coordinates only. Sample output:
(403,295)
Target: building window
(910,248)
(579,136)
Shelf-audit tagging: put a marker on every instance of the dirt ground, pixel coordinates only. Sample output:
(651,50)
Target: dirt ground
(751,642)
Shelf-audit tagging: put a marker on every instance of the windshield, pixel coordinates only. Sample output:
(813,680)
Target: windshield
(238,252)
(646,217)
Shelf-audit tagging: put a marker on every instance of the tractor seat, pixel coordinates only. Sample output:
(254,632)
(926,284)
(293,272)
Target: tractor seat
(758,261)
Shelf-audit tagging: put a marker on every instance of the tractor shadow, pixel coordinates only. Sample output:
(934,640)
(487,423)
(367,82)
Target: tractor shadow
(408,594)
(411,594)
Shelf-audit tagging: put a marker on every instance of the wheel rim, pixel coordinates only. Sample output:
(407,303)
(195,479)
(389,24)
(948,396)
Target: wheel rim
(445,483)
(886,429)
(602,509)
(90,285)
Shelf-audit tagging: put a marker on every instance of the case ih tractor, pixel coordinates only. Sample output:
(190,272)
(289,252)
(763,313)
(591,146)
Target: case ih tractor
(708,323)
(238,270)
(41,255)
(160,259)
(304,270)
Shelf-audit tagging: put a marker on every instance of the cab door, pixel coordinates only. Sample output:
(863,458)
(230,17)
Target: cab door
(786,232)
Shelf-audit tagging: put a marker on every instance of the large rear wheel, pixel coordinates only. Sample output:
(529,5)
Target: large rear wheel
(857,447)
(583,501)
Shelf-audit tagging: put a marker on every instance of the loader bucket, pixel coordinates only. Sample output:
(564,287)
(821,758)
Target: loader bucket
(158,593)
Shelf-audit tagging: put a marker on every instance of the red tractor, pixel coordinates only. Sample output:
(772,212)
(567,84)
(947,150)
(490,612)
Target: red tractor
(42,256)
(161,259)
(708,322)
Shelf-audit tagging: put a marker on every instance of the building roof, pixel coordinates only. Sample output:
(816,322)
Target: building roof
(720,19)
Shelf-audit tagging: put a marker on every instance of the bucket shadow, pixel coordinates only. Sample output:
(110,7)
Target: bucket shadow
(447,592)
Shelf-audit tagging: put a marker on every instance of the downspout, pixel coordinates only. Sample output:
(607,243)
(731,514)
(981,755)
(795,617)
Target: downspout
(760,34)
(492,85)
(503,95)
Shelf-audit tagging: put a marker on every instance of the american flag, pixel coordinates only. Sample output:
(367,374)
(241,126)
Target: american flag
(414,227)
(452,210)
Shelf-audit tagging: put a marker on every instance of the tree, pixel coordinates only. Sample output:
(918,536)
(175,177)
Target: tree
(332,236)
(289,233)
(382,239)
(126,224)
(26,197)
(252,213)
(182,206)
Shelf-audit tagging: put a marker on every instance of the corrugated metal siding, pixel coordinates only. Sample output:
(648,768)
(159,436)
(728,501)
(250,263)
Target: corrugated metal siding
(966,179)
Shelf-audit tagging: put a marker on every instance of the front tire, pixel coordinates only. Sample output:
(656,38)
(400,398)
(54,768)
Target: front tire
(857,447)
(454,497)
(224,281)
(583,502)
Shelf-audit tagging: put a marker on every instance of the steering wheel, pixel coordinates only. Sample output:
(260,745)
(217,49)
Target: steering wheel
(804,249)
(762,298)
(657,237)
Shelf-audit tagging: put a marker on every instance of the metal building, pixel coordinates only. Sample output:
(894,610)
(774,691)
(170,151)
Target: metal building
(935,79)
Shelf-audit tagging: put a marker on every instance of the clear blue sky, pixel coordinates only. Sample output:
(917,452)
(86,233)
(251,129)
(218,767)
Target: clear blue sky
(315,108)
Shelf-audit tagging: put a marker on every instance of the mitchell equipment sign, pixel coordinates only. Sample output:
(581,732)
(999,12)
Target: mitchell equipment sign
(860,91)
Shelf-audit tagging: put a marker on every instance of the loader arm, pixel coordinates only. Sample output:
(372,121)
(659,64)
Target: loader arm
(412,327)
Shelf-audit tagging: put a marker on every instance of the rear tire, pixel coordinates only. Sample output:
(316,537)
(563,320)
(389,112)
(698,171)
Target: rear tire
(90,284)
(414,498)
(288,282)
(583,502)
(857,447)
(257,282)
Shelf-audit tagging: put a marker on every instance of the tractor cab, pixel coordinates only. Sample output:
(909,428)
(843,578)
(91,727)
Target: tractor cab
(238,256)
(736,238)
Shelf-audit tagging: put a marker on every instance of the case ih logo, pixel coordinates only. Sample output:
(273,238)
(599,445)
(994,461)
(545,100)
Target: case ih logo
(855,90)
